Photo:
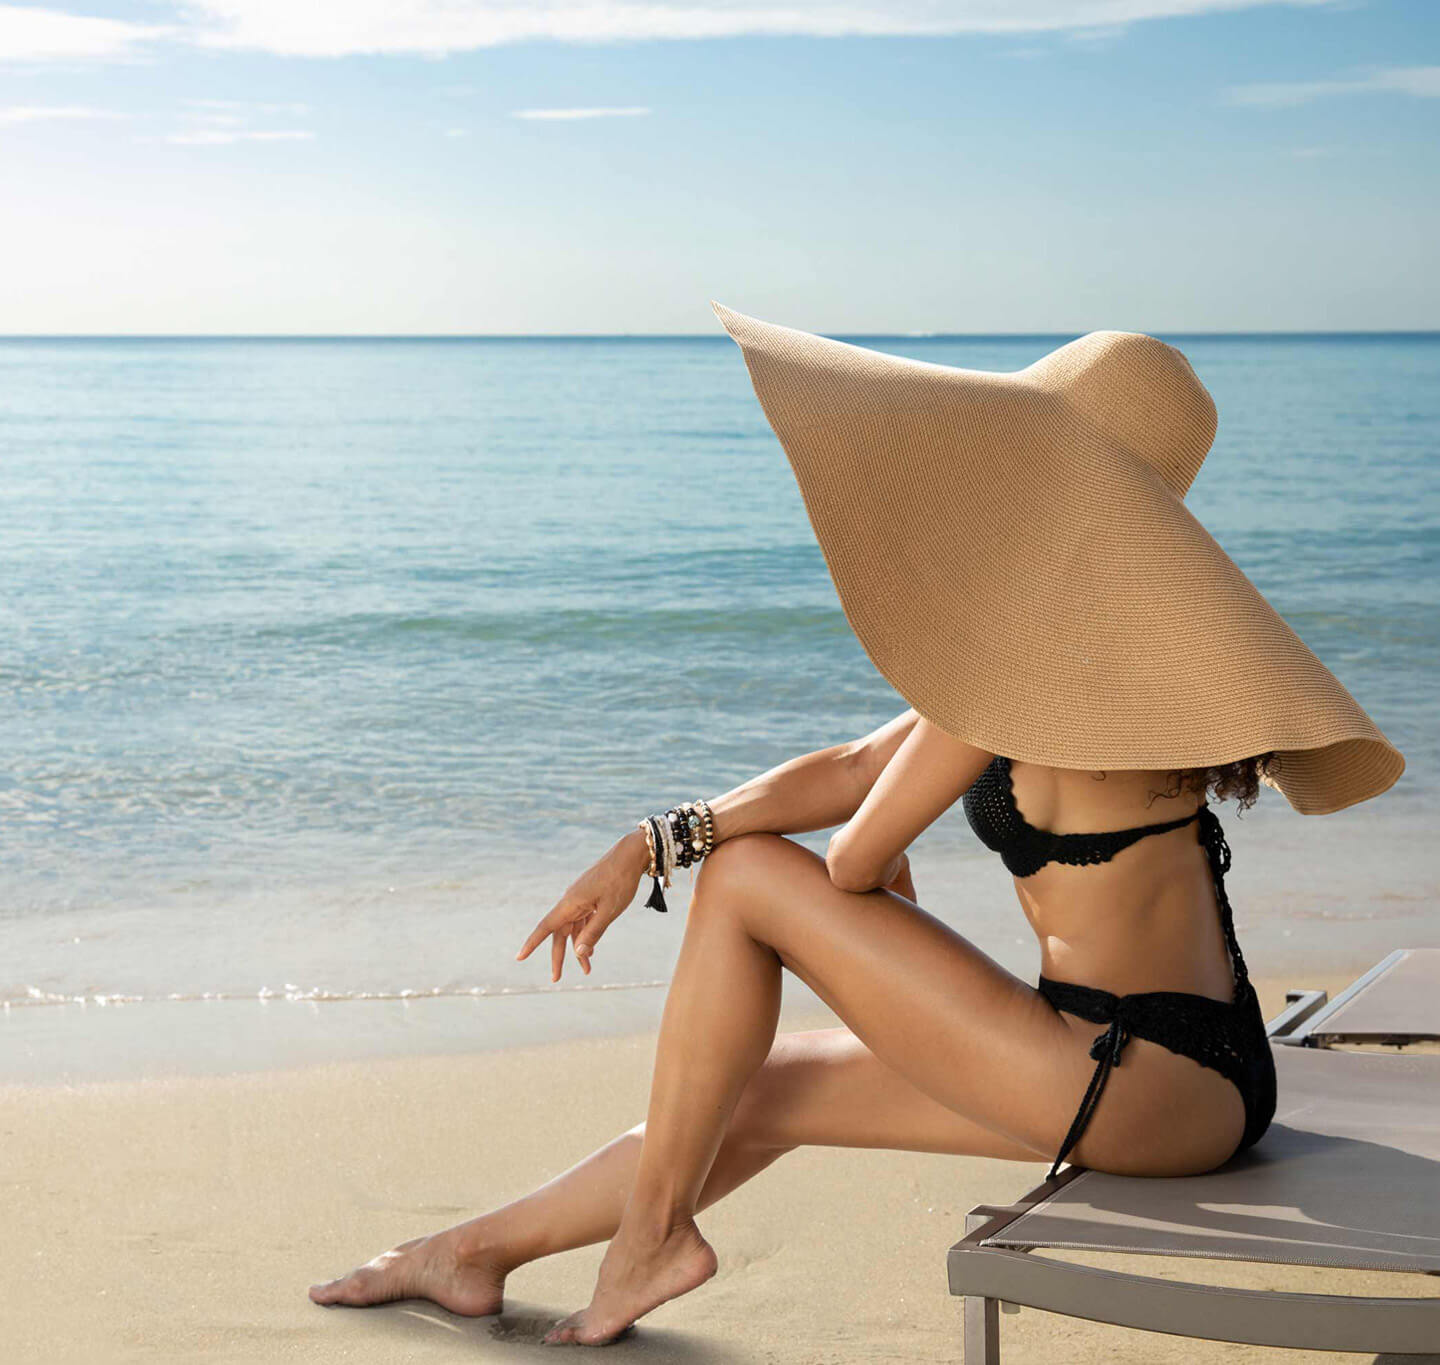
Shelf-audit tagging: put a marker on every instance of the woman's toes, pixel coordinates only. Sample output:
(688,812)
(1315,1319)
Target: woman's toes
(354,1289)
(422,1268)
(349,1288)
(564,1330)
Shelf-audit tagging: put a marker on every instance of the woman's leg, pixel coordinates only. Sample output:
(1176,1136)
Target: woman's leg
(818,1087)
(927,1002)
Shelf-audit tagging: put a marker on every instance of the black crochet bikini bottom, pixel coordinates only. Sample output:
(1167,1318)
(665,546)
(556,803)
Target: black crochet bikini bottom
(1228,1037)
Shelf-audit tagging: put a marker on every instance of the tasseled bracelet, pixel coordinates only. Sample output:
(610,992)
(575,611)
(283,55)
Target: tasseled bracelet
(680,837)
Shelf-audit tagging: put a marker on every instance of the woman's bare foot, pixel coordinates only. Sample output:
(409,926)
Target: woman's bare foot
(636,1276)
(457,1271)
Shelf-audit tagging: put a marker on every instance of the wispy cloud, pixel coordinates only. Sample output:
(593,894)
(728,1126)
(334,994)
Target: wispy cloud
(208,122)
(1421,81)
(580,113)
(41,113)
(216,123)
(1099,35)
(35,34)
(250,106)
(338,28)
(214,137)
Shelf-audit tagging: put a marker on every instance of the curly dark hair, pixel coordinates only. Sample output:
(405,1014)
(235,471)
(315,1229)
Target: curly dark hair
(1239,780)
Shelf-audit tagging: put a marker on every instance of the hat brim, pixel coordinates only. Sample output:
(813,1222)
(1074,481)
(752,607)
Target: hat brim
(1028,584)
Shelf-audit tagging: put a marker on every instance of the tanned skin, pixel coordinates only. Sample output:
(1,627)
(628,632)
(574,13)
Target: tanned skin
(942,1048)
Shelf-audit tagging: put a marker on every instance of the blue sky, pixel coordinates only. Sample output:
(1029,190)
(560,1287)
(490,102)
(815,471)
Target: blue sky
(452,166)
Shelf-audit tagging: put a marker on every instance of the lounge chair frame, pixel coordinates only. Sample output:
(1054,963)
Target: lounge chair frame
(988,1278)
(1316,1026)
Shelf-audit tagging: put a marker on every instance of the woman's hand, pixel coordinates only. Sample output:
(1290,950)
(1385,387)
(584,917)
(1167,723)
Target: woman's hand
(901,883)
(591,903)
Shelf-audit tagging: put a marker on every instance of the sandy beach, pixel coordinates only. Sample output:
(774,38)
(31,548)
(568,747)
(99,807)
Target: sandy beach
(437,436)
(182,1217)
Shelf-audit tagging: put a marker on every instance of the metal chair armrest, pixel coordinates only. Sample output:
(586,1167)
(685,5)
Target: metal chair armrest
(1300,1005)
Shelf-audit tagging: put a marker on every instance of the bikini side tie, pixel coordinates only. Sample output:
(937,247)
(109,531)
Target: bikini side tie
(1106,1049)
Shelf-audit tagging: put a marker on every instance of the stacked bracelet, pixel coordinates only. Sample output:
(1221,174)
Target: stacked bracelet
(680,837)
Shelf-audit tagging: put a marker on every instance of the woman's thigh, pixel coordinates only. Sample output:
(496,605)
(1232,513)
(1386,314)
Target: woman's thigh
(825,1088)
(957,1026)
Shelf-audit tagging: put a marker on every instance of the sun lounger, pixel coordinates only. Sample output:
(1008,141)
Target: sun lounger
(1347,1176)
(1396,1001)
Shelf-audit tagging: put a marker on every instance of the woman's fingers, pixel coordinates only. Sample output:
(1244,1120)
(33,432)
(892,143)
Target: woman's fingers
(568,929)
(537,936)
(568,933)
(585,932)
(557,920)
(560,925)
(587,937)
(903,883)
(565,923)
(587,908)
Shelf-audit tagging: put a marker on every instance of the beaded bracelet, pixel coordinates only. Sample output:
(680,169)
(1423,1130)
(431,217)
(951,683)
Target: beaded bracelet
(699,828)
(681,837)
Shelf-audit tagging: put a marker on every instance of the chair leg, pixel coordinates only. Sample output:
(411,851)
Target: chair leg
(982,1316)
(982,1331)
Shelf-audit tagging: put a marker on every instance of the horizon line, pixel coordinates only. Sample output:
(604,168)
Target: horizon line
(681,336)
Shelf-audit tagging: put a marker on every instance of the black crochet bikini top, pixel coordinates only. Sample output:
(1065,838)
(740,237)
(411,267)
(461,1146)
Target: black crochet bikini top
(990,809)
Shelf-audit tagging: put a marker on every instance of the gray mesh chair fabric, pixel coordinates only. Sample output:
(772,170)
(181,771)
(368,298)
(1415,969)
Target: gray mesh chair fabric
(1348,1176)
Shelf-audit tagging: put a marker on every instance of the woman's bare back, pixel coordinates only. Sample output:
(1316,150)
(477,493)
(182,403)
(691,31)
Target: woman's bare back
(1147,919)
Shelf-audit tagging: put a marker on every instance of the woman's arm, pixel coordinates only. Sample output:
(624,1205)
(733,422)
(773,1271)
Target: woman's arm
(812,791)
(927,773)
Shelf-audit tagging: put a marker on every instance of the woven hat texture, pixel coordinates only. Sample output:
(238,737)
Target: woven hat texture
(1014,552)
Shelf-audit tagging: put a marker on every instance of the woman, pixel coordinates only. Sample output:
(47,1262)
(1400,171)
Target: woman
(1014,553)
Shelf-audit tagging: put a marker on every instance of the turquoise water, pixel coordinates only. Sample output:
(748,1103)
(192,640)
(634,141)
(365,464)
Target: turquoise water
(328,663)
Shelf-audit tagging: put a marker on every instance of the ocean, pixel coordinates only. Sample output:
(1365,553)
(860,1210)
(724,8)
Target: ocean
(328,663)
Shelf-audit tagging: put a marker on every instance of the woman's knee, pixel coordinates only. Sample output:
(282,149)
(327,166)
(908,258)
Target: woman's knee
(732,864)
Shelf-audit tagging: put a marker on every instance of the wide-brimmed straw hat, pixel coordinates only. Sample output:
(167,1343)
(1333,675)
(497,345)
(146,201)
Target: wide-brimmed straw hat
(1014,552)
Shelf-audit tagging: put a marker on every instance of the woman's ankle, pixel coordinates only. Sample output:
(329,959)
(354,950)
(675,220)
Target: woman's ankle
(478,1243)
(652,1221)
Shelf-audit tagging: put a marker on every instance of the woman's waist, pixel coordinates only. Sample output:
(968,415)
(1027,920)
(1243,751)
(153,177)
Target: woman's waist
(1147,954)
